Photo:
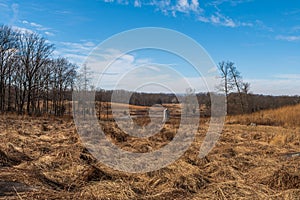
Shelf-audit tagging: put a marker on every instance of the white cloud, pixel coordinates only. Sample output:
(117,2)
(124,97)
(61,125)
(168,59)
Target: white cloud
(38,27)
(15,9)
(34,25)
(75,52)
(137,3)
(3,5)
(63,12)
(215,19)
(179,6)
(132,72)
(129,72)
(291,38)
(259,24)
(288,76)
(276,86)
(75,47)
(22,30)
(231,2)
(89,44)
(195,4)
(49,33)
(203,19)
(167,6)
(185,6)
(295,29)
(249,24)
(220,20)
(193,8)
(292,12)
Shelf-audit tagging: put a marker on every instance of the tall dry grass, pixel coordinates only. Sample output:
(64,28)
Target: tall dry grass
(288,116)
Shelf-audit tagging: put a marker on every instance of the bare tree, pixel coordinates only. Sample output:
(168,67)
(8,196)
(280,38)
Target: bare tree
(237,80)
(30,77)
(8,47)
(34,52)
(19,82)
(246,87)
(233,81)
(227,84)
(245,91)
(62,80)
(84,77)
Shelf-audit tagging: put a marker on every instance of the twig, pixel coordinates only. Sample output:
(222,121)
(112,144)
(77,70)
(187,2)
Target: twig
(222,193)
(17,193)
(292,155)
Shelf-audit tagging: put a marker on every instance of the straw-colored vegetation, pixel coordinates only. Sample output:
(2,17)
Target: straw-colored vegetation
(42,158)
(288,116)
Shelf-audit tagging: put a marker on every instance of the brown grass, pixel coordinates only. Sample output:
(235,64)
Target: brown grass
(44,159)
(288,116)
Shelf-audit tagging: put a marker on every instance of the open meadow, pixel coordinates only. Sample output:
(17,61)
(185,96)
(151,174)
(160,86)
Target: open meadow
(149,100)
(43,158)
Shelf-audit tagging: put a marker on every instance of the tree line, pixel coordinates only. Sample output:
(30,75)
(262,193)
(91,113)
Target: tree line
(32,81)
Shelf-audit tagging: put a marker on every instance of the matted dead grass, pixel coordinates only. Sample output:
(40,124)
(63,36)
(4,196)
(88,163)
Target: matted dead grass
(44,158)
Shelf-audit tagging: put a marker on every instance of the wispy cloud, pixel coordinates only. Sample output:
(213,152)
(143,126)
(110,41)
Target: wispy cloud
(231,2)
(132,72)
(262,26)
(288,76)
(137,3)
(289,38)
(4,5)
(221,20)
(63,12)
(167,7)
(38,27)
(76,52)
(49,33)
(15,10)
(191,8)
(295,29)
(276,86)
(292,12)
(22,29)
(33,24)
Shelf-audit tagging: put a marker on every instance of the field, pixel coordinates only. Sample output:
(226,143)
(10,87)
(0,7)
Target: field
(43,158)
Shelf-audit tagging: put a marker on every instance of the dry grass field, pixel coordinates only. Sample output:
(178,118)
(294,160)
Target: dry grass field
(43,158)
(286,117)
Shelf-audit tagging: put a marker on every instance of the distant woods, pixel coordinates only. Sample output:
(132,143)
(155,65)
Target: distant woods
(34,82)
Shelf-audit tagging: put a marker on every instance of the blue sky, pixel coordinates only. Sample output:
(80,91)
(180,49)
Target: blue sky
(261,36)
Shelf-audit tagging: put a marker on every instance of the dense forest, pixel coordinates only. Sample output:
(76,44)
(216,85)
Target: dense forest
(34,82)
